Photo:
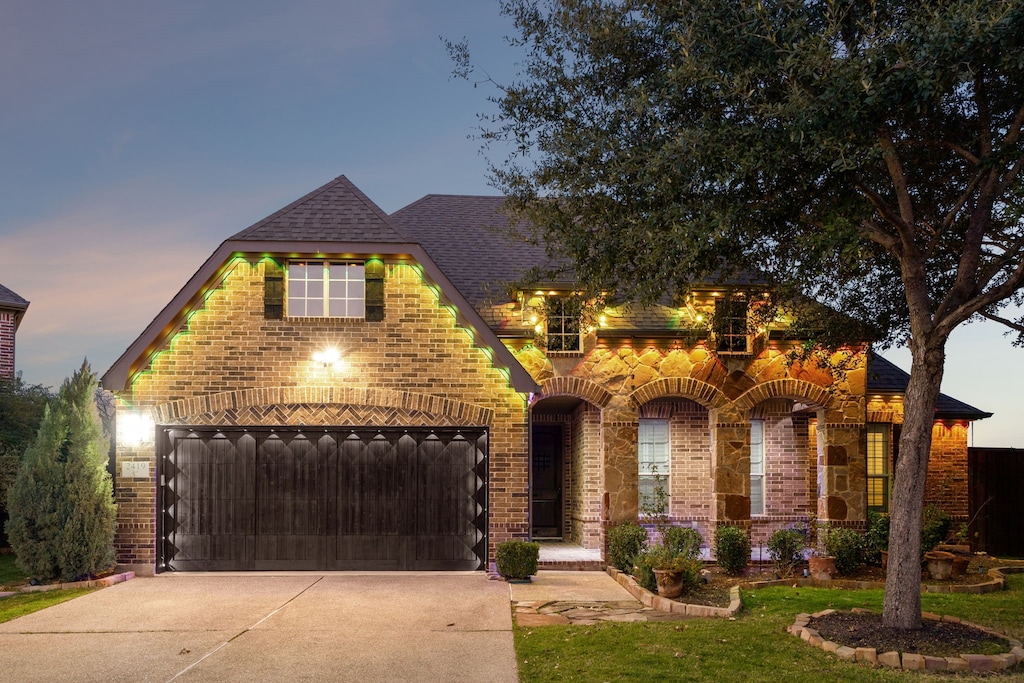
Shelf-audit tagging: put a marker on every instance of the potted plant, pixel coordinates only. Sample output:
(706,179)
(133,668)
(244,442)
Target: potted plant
(672,571)
(517,560)
(820,565)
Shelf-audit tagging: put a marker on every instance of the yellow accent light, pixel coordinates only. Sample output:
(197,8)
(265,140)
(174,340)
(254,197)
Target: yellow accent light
(330,359)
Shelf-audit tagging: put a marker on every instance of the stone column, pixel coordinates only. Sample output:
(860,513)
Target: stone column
(730,467)
(619,427)
(842,488)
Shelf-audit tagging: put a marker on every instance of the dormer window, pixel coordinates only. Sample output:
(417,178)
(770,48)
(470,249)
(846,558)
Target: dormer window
(563,323)
(732,335)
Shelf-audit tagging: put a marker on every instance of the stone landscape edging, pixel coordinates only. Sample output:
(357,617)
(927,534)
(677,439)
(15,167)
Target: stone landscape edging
(649,599)
(996,582)
(911,661)
(908,661)
(91,583)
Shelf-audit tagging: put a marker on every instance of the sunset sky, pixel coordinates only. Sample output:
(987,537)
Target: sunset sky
(136,135)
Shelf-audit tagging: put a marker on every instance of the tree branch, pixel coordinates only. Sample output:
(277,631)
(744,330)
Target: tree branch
(1009,323)
(899,179)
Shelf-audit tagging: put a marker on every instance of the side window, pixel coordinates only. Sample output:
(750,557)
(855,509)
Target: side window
(653,445)
(757,467)
(878,476)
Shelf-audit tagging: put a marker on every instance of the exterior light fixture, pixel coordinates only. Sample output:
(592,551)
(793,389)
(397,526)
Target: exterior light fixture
(539,328)
(700,318)
(135,429)
(533,319)
(330,359)
(603,320)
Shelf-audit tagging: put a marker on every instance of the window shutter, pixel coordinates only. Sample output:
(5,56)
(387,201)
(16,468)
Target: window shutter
(374,291)
(273,290)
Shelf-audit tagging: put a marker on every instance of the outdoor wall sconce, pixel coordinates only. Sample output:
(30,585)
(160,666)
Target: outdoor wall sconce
(135,429)
(329,359)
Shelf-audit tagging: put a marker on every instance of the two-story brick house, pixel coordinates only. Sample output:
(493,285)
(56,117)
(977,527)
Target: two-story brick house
(337,388)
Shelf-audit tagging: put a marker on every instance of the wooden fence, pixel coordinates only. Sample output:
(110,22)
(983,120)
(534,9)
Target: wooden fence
(996,498)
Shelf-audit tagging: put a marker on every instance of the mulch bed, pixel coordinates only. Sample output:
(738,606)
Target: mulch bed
(934,638)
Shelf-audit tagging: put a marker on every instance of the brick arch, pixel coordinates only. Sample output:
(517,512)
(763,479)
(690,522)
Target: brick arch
(709,396)
(574,386)
(785,388)
(455,411)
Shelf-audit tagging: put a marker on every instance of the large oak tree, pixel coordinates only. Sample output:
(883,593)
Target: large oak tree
(863,153)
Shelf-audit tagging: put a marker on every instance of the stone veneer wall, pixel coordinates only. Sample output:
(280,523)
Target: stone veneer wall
(416,366)
(6,344)
(946,485)
(620,377)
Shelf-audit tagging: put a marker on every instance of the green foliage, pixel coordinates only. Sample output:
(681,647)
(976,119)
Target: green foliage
(21,409)
(517,559)
(61,506)
(786,548)
(846,545)
(625,542)
(644,573)
(682,540)
(935,526)
(732,549)
(877,537)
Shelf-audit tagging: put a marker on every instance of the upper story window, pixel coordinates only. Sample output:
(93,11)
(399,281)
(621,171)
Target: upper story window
(732,334)
(563,323)
(326,289)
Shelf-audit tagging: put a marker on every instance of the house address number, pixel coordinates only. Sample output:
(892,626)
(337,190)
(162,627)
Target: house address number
(134,470)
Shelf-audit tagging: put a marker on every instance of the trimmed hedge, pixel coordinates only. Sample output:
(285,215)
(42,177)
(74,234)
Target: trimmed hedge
(517,559)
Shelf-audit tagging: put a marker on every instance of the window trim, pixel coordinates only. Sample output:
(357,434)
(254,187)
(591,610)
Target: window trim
(732,326)
(643,428)
(566,321)
(883,430)
(326,281)
(757,476)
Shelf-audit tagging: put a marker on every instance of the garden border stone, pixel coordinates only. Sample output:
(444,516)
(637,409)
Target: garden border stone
(91,583)
(802,628)
(649,599)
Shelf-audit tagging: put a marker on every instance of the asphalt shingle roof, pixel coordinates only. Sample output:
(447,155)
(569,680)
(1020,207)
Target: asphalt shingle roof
(886,378)
(335,212)
(470,239)
(9,299)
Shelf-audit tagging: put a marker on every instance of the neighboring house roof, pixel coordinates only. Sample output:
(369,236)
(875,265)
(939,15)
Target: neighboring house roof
(10,301)
(335,218)
(886,378)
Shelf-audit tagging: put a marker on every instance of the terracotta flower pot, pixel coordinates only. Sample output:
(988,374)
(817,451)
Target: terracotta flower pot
(821,568)
(939,564)
(670,582)
(960,564)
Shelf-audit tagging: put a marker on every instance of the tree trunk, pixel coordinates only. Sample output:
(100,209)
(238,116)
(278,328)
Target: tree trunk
(902,606)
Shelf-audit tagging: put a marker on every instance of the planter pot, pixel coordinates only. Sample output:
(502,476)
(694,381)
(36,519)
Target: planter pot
(822,568)
(939,564)
(670,583)
(960,564)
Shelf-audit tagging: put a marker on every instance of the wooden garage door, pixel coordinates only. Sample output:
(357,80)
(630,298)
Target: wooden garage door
(322,499)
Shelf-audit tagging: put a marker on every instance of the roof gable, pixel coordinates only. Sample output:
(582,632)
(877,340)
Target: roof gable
(335,212)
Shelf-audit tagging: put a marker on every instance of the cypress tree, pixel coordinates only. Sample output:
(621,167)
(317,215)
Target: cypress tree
(61,506)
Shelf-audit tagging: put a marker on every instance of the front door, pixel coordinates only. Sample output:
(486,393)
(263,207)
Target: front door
(546,499)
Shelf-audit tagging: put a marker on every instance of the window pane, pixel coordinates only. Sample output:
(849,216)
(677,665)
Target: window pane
(338,309)
(296,289)
(314,307)
(355,289)
(296,271)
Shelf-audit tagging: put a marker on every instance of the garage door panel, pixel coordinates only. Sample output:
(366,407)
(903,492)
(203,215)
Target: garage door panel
(412,498)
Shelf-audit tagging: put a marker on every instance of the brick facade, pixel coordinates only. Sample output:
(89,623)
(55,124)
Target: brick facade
(230,365)
(7,329)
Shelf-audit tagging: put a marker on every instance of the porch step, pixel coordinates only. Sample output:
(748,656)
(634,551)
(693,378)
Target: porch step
(572,565)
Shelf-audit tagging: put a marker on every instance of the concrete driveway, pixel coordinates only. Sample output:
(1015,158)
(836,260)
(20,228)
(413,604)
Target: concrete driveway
(271,627)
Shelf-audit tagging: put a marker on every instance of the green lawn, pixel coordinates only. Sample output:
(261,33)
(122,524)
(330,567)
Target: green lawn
(10,575)
(19,605)
(754,647)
